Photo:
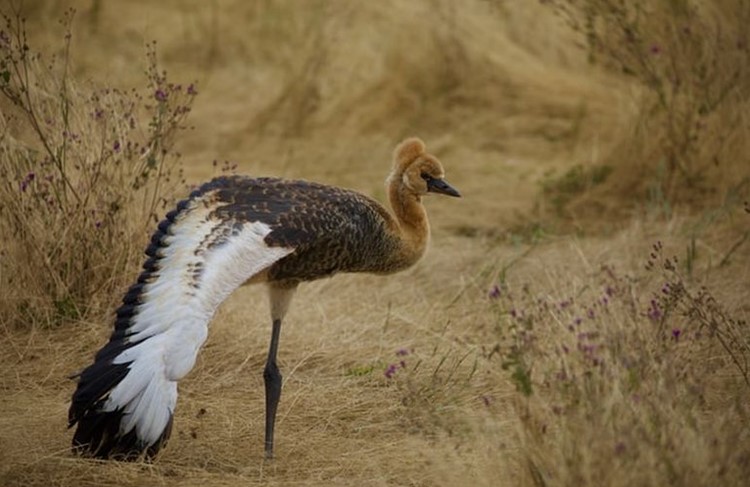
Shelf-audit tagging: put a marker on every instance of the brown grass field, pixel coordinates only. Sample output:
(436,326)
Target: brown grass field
(504,95)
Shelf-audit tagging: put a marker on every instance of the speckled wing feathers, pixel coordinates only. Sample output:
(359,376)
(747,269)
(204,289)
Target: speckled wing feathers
(331,229)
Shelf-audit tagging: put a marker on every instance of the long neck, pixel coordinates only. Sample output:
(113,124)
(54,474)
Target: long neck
(413,226)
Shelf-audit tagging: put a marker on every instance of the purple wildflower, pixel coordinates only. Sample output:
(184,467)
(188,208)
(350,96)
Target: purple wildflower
(116,146)
(654,312)
(390,371)
(494,292)
(402,352)
(160,95)
(191,90)
(26,181)
(577,321)
(676,332)
(655,49)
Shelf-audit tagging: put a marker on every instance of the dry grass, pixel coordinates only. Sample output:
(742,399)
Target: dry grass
(323,90)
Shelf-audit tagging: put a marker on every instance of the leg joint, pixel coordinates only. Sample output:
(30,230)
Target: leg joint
(271,372)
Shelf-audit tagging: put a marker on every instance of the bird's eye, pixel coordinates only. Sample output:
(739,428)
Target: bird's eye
(426,176)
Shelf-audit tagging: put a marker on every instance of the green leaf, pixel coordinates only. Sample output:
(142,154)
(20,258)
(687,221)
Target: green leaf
(522,377)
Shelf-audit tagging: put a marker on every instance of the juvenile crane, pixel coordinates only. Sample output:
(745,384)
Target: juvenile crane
(233,231)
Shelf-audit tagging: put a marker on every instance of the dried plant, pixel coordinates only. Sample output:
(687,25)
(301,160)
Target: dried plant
(85,172)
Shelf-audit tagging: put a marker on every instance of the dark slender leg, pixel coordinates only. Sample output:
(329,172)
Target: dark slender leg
(272,379)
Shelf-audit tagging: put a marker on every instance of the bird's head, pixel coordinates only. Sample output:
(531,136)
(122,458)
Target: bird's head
(420,172)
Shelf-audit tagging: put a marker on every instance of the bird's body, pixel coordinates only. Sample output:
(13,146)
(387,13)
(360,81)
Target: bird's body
(331,229)
(234,231)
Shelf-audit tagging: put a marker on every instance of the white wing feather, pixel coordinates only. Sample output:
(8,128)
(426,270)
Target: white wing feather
(171,324)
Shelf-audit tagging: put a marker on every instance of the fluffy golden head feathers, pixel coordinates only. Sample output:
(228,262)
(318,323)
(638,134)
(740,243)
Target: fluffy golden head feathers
(416,171)
(406,152)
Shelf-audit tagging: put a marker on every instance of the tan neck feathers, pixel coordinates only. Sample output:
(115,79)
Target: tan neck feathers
(413,227)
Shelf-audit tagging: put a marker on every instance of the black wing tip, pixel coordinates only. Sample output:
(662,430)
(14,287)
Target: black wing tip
(94,383)
(97,432)
(97,436)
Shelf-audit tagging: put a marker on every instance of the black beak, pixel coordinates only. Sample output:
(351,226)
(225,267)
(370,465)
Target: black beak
(435,185)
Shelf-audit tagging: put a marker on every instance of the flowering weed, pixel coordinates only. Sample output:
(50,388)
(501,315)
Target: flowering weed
(85,172)
(623,381)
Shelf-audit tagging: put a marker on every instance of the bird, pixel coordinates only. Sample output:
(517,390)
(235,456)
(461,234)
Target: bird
(232,231)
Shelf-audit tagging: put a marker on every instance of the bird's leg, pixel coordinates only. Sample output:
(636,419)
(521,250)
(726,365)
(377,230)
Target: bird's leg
(281,295)
(272,379)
